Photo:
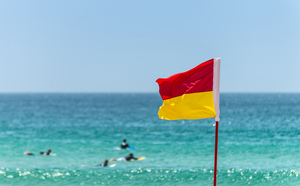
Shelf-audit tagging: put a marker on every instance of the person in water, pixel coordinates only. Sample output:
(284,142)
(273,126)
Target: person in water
(103,164)
(126,158)
(130,157)
(46,153)
(124,145)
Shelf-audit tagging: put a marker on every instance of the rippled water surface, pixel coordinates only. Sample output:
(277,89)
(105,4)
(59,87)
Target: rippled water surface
(258,141)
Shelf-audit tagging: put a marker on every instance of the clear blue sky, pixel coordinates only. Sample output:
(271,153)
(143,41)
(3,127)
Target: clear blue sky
(124,46)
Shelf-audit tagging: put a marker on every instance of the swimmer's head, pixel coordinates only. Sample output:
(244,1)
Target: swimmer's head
(124,140)
(130,154)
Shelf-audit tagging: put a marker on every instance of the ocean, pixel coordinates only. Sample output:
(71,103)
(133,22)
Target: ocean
(259,140)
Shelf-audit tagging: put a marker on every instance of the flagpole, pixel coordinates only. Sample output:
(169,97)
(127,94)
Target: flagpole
(216,153)
(216,91)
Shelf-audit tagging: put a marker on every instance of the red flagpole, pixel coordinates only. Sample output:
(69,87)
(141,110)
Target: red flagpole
(216,153)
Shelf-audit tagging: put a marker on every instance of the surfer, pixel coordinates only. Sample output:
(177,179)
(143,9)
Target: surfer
(103,164)
(124,144)
(130,157)
(126,158)
(46,153)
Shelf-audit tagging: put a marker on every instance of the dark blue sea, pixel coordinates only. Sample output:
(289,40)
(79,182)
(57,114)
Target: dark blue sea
(259,140)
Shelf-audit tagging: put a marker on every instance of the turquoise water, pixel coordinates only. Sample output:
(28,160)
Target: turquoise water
(258,141)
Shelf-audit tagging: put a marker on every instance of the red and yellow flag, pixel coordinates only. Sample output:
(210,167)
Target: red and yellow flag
(193,94)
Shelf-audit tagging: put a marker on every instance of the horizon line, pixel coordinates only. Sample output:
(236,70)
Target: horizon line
(137,92)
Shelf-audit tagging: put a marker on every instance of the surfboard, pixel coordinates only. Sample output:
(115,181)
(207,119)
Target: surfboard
(130,148)
(112,165)
(139,159)
(123,159)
